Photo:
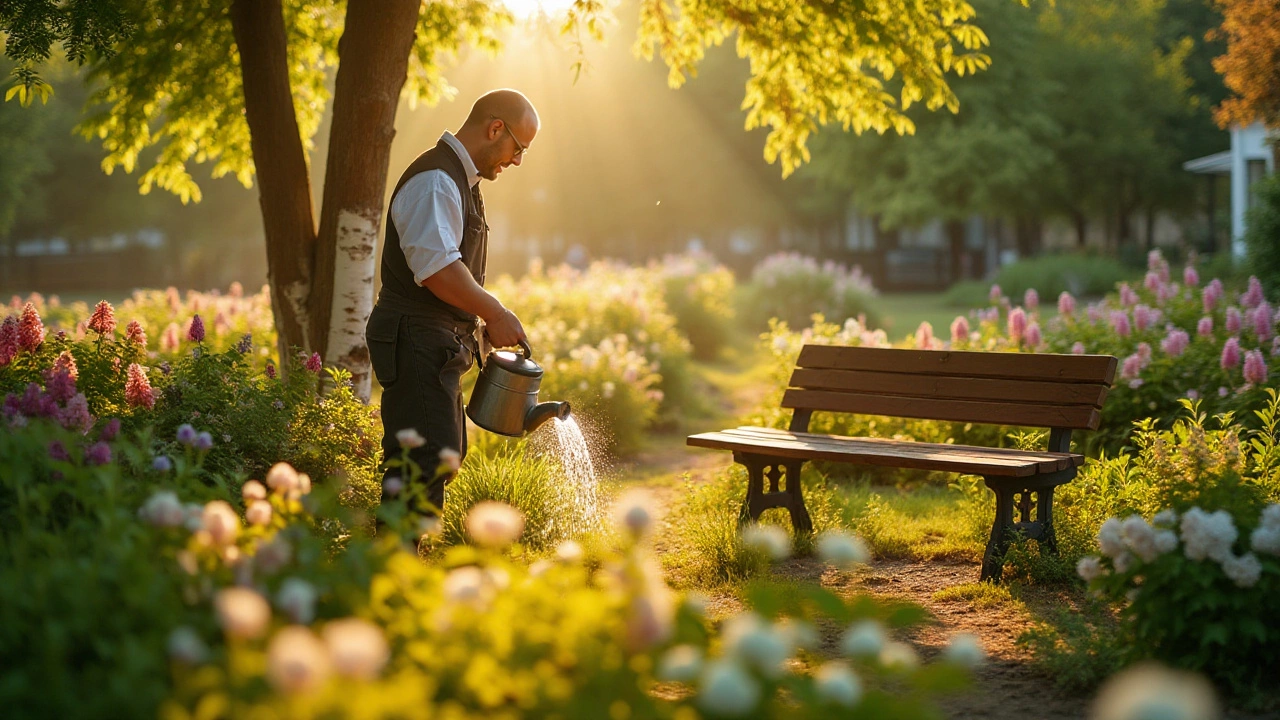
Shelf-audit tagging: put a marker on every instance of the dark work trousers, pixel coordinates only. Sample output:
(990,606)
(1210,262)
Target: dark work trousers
(419,361)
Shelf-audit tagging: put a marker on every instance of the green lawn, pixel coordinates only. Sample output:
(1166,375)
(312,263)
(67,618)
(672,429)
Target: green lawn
(903,313)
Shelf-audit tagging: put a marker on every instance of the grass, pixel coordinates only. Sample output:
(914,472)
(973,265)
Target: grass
(978,594)
(902,313)
(925,522)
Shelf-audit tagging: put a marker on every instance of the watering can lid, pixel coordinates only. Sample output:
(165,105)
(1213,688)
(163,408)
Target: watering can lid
(515,362)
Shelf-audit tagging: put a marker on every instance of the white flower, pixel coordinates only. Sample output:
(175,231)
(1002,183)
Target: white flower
(1139,537)
(1165,518)
(864,638)
(728,689)
(185,646)
(1152,691)
(634,512)
(465,585)
(1244,570)
(221,521)
(770,540)
(841,549)
(1208,535)
(253,490)
(296,660)
(1110,539)
(899,655)
(836,683)
(258,513)
(392,486)
(242,612)
(430,525)
(282,478)
(494,524)
(569,551)
(1123,562)
(194,513)
(1271,516)
(1266,540)
(163,509)
(409,439)
(297,598)
(450,459)
(1166,541)
(965,649)
(1089,568)
(748,637)
(681,663)
(357,648)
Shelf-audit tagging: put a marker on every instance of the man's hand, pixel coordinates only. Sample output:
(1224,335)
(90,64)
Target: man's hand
(504,329)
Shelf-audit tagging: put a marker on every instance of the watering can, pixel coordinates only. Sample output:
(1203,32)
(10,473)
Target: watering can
(505,398)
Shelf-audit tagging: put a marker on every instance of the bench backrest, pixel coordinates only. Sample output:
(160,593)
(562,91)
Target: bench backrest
(1034,390)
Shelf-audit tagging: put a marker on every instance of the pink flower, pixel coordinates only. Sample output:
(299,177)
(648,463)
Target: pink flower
(98,453)
(220,324)
(1120,322)
(271,371)
(134,333)
(137,388)
(1190,276)
(8,340)
(195,331)
(171,338)
(1255,368)
(1175,343)
(1275,346)
(1212,293)
(959,329)
(1066,304)
(1231,353)
(75,416)
(313,363)
(1253,296)
(30,329)
(1262,321)
(1205,327)
(103,320)
(1033,335)
(65,363)
(110,430)
(1131,368)
(1095,313)
(1151,281)
(1143,317)
(1017,324)
(1077,349)
(1157,264)
(996,294)
(1031,299)
(1234,322)
(924,336)
(1144,352)
(58,451)
(1127,296)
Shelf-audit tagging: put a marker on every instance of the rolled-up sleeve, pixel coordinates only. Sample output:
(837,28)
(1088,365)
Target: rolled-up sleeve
(427,213)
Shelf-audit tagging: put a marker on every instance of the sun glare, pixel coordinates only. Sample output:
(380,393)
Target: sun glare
(525,9)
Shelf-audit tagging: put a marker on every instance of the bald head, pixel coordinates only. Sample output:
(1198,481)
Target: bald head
(501,125)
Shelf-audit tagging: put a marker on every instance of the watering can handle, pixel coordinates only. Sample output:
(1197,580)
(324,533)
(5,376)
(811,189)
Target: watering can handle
(528,351)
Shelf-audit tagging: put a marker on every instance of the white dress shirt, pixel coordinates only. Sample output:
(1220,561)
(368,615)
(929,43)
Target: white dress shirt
(427,213)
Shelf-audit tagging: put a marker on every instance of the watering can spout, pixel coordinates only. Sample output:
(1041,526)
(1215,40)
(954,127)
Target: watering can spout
(543,412)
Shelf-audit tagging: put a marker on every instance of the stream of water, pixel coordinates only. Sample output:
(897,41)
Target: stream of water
(582,494)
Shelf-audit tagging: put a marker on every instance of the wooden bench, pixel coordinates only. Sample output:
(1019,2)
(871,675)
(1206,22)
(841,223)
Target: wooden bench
(1059,392)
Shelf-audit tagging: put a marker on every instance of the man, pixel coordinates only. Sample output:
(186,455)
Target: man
(423,332)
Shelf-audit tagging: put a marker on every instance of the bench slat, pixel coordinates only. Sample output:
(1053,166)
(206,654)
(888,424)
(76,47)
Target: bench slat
(1076,417)
(864,453)
(956,388)
(1014,366)
(1047,461)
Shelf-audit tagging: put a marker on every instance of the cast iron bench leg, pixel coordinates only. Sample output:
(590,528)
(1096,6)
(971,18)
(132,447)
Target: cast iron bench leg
(760,499)
(993,558)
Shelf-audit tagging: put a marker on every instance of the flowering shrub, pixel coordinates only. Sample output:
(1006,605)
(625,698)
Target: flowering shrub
(699,293)
(792,288)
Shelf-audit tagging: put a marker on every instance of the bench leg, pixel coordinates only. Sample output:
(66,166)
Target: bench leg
(1044,515)
(759,499)
(800,519)
(993,558)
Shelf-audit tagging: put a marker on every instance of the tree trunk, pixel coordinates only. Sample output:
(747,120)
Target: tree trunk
(284,187)
(374,53)
(1151,229)
(1081,222)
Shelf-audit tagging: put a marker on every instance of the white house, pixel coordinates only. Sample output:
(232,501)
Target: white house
(1249,160)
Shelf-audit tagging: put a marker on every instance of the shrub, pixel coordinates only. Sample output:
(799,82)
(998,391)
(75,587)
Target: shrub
(1050,275)
(699,293)
(792,288)
(1262,238)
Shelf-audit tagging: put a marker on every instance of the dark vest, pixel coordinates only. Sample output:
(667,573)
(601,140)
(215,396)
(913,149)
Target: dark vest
(399,291)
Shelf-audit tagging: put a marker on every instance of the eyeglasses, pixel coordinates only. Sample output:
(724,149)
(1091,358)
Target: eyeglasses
(523,149)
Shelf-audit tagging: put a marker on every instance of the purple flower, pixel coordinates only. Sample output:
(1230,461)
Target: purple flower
(1212,294)
(1066,304)
(166,368)
(313,363)
(1262,321)
(1234,321)
(1255,368)
(271,371)
(60,384)
(1193,394)
(1151,281)
(110,430)
(1143,317)
(1017,324)
(195,331)
(959,329)
(186,434)
(98,453)
(203,441)
(162,463)
(58,452)
(1120,322)
(1077,349)
(1131,368)
(75,416)
(1144,352)
(1231,353)
(1205,327)
(1253,296)
(1127,296)
(1031,299)
(8,340)
(245,345)
(1175,343)
(278,404)
(1190,276)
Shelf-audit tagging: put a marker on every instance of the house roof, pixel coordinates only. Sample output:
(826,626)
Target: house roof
(1215,164)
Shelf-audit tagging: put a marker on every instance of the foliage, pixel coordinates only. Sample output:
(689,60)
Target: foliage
(1249,67)
(1262,234)
(1077,647)
(1049,275)
(699,292)
(793,287)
